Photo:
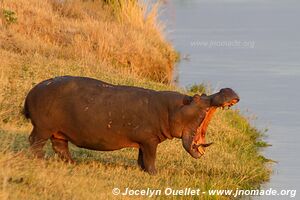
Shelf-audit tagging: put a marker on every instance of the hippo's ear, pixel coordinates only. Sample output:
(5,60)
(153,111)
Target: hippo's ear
(195,99)
(187,100)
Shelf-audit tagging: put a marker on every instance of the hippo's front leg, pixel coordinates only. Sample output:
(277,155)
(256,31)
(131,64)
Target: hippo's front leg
(140,160)
(147,155)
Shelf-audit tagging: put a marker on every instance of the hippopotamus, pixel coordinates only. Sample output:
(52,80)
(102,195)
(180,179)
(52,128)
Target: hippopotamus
(96,115)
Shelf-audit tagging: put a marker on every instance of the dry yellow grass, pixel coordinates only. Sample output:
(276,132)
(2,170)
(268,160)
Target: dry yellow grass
(53,37)
(90,32)
(118,45)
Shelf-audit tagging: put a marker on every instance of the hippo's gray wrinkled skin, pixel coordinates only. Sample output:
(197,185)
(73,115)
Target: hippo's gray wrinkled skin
(96,115)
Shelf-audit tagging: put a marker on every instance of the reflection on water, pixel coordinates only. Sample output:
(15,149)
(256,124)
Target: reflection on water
(253,47)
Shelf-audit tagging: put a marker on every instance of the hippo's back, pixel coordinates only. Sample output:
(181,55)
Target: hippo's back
(43,95)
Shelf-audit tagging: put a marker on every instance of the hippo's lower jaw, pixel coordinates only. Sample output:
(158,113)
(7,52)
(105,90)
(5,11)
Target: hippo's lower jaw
(197,151)
(194,149)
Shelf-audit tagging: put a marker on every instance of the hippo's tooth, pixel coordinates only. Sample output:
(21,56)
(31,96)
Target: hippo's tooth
(201,150)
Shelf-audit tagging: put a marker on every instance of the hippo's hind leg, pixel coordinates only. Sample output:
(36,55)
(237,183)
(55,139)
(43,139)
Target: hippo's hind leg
(37,140)
(60,146)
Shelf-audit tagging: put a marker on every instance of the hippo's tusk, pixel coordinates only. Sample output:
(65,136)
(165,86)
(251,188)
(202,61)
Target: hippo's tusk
(203,145)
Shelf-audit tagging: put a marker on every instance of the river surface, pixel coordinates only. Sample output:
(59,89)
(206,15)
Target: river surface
(254,48)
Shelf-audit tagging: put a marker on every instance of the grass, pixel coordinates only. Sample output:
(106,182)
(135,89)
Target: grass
(232,162)
(120,44)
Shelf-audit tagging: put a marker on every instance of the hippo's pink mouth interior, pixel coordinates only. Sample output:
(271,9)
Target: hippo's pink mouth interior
(199,143)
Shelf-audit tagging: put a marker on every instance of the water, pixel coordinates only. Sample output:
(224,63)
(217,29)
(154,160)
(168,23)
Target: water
(254,48)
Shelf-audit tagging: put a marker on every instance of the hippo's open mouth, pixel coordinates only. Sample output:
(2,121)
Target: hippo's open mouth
(194,142)
(199,143)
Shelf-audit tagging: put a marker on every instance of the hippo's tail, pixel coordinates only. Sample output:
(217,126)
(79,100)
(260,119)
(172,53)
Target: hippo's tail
(25,110)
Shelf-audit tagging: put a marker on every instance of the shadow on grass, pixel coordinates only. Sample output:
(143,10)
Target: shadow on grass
(13,141)
(16,142)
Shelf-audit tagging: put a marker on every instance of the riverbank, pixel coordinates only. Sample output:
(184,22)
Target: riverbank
(45,39)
